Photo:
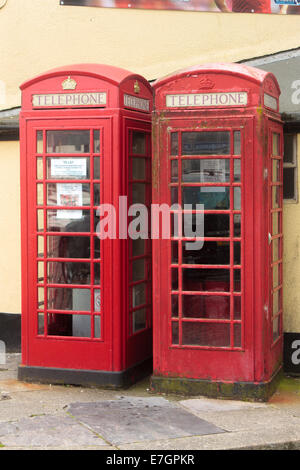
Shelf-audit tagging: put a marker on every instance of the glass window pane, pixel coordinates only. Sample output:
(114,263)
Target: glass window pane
(213,198)
(139,295)
(217,306)
(237,199)
(237,170)
(96,195)
(138,247)
(216,225)
(275,171)
(40,272)
(81,326)
(276,302)
(206,279)
(68,168)
(97,269)
(276,328)
(205,143)
(237,143)
(206,171)
(138,168)
(276,249)
(40,220)
(59,324)
(69,325)
(237,253)
(276,144)
(206,334)
(174,171)
(237,225)
(71,141)
(138,270)
(276,275)
(139,320)
(62,298)
(174,301)
(41,297)
(175,333)
(174,248)
(210,253)
(96,168)
(97,326)
(174,143)
(96,248)
(139,143)
(237,335)
(237,280)
(175,220)
(237,307)
(68,194)
(41,323)
(174,279)
(67,220)
(275,197)
(68,247)
(96,134)
(275,223)
(288,184)
(193,306)
(97,300)
(138,193)
(174,195)
(40,194)
(39,169)
(68,273)
(40,247)
(39,142)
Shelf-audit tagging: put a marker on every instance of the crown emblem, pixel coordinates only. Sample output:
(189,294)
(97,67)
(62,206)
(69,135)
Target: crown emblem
(136,87)
(69,84)
(206,84)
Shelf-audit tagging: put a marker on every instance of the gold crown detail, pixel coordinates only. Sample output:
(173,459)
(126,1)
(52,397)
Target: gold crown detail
(136,87)
(69,84)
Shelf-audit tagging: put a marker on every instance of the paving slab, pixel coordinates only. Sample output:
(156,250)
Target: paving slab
(48,431)
(264,439)
(128,420)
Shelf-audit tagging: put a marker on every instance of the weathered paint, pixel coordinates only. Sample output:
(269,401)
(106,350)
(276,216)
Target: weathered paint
(181,365)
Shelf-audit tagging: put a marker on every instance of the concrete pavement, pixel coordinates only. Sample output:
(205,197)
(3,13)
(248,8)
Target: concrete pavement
(36,416)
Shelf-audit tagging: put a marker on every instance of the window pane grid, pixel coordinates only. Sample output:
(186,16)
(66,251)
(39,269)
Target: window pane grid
(139,190)
(50,319)
(208,296)
(275,231)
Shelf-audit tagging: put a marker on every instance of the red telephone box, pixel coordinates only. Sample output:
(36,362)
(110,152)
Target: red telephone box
(217,153)
(86,286)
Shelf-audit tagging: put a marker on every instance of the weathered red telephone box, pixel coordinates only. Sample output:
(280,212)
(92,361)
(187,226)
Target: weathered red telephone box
(217,153)
(86,286)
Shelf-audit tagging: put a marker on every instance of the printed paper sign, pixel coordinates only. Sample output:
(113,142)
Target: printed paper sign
(69,194)
(68,168)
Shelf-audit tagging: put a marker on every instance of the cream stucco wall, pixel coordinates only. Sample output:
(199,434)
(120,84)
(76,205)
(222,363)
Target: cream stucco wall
(291,260)
(38,35)
(10,252)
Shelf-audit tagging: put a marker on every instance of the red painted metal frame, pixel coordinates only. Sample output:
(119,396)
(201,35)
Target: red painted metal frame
(257,358)
(113,351)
